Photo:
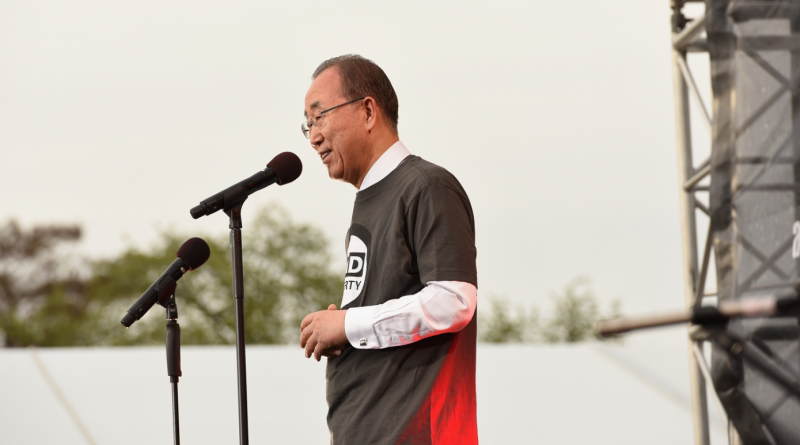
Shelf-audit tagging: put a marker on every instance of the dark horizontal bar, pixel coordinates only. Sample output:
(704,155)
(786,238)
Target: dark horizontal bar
(769,43)
(743,11)
(777,333)
(792,283)
(764,160)
(768,188)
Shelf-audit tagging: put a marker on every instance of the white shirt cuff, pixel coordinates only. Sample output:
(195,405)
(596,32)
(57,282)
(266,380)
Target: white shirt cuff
(358,327)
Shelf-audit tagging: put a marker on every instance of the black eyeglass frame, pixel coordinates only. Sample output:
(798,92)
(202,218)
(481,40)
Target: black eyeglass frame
(306,128)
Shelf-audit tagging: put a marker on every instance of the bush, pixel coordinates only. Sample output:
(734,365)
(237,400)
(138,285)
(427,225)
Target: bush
(573,320)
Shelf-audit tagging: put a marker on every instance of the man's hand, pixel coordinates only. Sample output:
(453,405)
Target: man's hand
(322,333)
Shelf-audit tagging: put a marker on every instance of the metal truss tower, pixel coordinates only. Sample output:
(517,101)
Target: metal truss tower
(747,190)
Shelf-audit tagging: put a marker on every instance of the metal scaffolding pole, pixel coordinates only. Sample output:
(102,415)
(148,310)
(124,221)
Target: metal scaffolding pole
(689,238)
(688,177)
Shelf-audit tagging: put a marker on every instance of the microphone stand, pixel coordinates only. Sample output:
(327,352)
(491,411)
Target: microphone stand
(235,214)
(231,201)
(173,358)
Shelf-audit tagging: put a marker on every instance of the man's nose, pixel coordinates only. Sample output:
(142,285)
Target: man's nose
(315,136)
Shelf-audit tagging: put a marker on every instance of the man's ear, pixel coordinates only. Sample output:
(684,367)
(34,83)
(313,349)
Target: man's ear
(370,114)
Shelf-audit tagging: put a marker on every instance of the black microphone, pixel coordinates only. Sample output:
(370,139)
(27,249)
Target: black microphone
(283,169)
(192,254)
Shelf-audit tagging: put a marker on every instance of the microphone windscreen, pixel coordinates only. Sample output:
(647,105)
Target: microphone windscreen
(287,167)
(195,252)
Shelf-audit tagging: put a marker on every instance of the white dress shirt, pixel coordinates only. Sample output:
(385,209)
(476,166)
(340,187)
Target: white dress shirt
(440,307)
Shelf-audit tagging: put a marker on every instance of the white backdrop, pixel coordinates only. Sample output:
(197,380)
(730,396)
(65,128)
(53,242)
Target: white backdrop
(632,393)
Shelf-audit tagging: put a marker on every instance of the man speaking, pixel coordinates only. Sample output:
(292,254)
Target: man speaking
(401,351)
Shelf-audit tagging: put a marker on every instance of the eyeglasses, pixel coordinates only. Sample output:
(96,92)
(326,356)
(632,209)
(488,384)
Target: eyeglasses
(319,120)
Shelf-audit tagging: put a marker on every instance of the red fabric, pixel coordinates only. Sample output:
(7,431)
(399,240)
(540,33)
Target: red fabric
(453,407)
(449,413)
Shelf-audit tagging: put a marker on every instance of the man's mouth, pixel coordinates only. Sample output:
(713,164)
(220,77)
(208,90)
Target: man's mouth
(324,155)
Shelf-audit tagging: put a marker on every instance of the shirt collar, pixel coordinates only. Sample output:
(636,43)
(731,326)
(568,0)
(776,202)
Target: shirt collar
(386,164)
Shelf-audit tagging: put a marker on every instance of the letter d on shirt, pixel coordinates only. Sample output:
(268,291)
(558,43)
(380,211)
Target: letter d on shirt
(356,269)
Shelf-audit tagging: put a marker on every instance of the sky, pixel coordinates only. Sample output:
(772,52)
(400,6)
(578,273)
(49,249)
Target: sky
(557,118)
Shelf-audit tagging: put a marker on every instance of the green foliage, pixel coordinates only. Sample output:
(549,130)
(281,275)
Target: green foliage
(574,317)
(504,324)
(41,289)
(287,274)
(575,314)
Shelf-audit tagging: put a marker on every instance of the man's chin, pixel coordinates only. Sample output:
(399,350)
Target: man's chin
(334,174)
(337,174)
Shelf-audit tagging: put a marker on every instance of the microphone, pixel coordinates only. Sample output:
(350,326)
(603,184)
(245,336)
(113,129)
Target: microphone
(192,254)
(283,169)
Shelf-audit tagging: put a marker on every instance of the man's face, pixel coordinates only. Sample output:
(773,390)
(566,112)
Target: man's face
(338,142)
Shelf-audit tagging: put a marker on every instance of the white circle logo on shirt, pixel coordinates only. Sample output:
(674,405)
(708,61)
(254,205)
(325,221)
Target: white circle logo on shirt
(356,269)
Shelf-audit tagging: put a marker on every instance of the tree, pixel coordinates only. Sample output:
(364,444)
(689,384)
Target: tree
(287,273)
(42,293)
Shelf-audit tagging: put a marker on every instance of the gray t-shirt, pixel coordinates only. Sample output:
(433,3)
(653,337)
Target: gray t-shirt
(414,226)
